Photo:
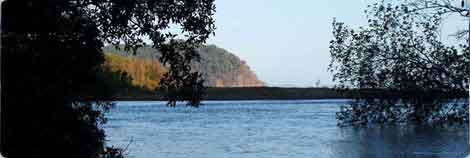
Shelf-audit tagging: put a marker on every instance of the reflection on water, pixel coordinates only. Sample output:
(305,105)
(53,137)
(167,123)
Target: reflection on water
(395,141)
(253,129)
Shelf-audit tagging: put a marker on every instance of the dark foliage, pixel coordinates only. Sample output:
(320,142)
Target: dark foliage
(53,87)
(407,73)
(48,64)
(180,83)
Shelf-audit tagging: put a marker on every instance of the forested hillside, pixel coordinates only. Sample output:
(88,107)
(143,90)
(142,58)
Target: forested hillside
(219,67)
(140,72)
(223,69)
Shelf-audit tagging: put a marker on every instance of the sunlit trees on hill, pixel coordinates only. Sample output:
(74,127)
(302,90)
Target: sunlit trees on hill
(219,67)
(142,72)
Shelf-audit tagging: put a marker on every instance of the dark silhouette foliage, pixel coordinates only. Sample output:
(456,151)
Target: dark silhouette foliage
(180,83)
(54,90)
(405,73)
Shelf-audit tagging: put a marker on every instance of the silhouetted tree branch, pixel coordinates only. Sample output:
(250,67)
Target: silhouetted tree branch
(399,53)
(55,92)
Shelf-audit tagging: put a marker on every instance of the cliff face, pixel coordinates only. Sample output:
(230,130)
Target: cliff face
(223,69)
(243,77)
(248,78)
(219,67)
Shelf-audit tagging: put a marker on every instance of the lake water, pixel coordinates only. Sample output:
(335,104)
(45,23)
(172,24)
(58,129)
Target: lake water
(269,129)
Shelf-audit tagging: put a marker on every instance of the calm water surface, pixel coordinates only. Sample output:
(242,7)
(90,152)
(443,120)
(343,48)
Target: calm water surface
(268,129)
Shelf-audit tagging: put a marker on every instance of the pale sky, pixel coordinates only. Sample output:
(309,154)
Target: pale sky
(284,41)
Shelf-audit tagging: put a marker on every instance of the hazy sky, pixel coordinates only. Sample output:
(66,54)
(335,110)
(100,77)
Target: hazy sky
(284,41)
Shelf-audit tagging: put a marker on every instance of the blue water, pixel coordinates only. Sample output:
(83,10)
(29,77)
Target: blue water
(269,129)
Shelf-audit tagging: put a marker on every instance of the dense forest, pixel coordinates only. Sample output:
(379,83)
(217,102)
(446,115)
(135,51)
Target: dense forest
(144,73)
(219,67)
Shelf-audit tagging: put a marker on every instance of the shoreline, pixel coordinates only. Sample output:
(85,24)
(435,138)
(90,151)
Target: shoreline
(272,93)
(251,99)
(250,93)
